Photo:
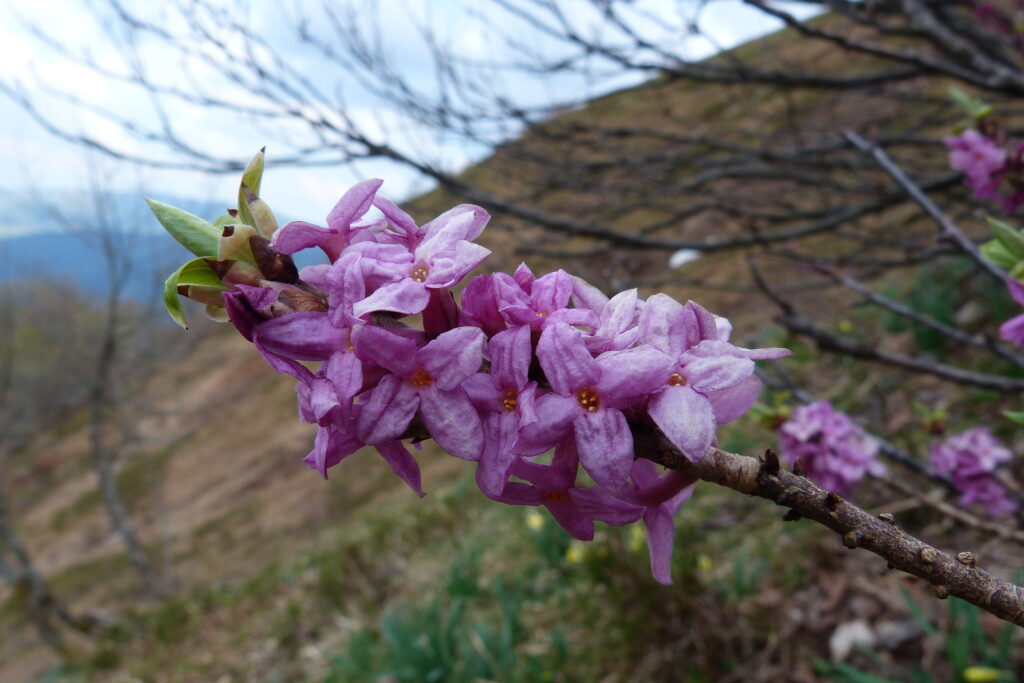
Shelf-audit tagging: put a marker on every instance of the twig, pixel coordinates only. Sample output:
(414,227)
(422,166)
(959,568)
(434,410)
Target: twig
(949,229)
(957,576)
(798,323)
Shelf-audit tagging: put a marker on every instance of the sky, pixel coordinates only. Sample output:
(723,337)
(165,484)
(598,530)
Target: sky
(32,159)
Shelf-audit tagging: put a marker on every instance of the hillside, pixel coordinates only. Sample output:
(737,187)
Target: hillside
(283,576)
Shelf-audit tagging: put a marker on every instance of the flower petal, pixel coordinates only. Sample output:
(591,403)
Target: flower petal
(605,447)
(565,359)
(453,357)
(500,433)
(402,463)
(627,376)
(299,235)
(1016,290)
(391,351)
(330,447)
(406,296)
(303,335)
(398,218)
(452,421)
(686,418)
(551,292)
(660,539)
(554,420)
(734,401)
(352,205)
(345,371)
(586,295)
(604,507)
(387,412)
(447,268)
(1012,330)
(463,222)
(712,365)
(575,523)
(511,353)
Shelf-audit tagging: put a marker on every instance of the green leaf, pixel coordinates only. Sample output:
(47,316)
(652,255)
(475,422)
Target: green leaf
(194,272)
(995,252)
(234,244)
(225,219)
(251,178)
(974,107)
(1008,237)
(200,237)
(262,216)
(1015,416)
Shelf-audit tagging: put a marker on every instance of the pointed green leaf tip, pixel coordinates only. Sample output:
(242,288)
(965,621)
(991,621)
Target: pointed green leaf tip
(200,237)
(1016,416)
(974,107)
(251,178)
(194,272)
(1008,237)
(995,252)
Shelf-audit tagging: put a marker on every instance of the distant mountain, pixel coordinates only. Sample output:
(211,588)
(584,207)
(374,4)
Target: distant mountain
(34,243)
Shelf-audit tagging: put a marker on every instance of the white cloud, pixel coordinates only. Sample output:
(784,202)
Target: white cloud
(306,193)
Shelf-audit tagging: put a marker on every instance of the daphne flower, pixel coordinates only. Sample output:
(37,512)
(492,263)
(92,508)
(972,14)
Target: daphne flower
(426,380)
(835,452)
(339,232)
(981,160)
(710,381)
(554,487)
(443,256)
(505,396)
(588,396)
(969,460)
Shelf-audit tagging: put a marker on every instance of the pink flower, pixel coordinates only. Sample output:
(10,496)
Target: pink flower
(1013,329)
(587,398)
(981,160)
(969,459)
(835,452)
(710,381)
(554,486)
(426,381)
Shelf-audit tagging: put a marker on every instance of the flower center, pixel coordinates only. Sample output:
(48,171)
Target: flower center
(421,378)
(509,402)
(589,400)
(420,273)
(676,380)
(556,496)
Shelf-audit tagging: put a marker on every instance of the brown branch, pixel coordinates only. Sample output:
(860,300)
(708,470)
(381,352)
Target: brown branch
(948,575)
(950,230)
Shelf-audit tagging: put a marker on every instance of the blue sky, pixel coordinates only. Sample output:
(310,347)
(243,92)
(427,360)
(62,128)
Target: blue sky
(33,158)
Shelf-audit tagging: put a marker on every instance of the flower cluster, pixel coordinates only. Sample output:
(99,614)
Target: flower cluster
(521,366)
(834,451)
(969,460)
(993,166)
